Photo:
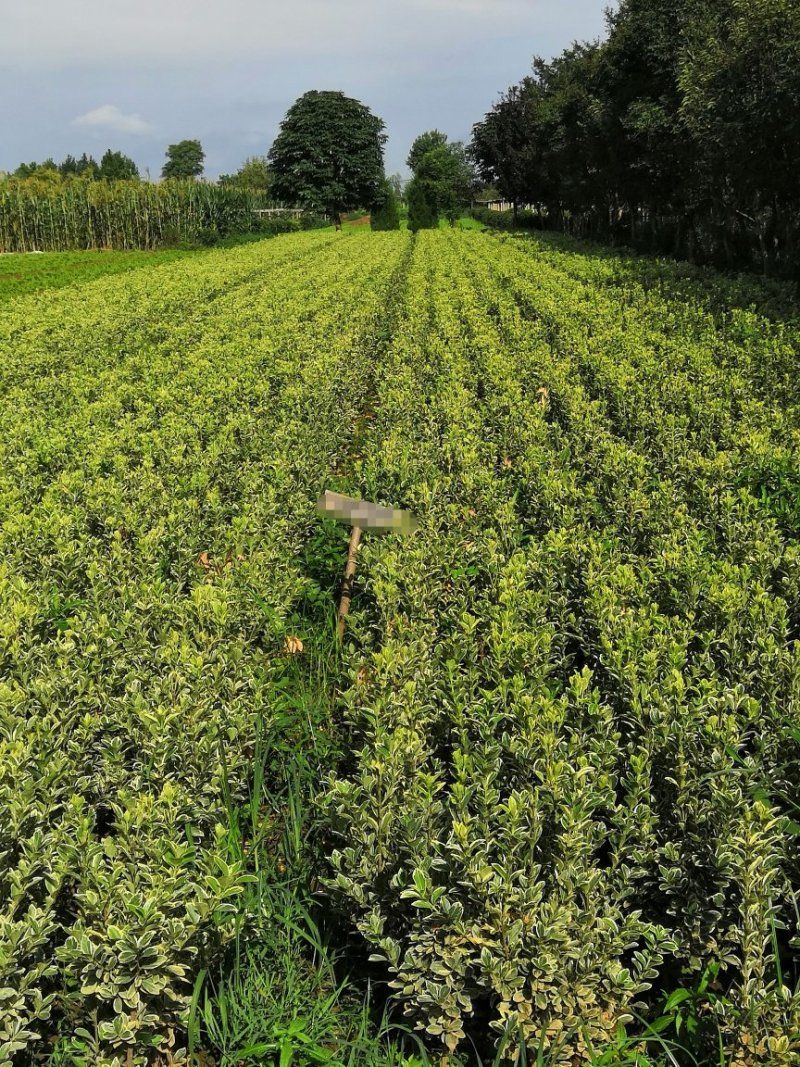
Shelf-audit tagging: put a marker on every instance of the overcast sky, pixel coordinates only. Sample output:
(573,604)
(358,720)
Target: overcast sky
(137,75)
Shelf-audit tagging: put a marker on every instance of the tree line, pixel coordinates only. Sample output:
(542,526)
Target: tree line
(679,133)
(184,160)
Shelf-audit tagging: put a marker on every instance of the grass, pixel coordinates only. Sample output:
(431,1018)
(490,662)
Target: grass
(466,222)
(284,994)
(29,272)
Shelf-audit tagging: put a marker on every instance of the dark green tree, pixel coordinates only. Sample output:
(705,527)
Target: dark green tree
(448,178)
(115,166)
(328,155)
(678,133)
(68,168)
(184,160)
(421,201)
(422,145)
(507,146)
(740,99)
(385,214)
(26,170)
(47,171)
(87,166)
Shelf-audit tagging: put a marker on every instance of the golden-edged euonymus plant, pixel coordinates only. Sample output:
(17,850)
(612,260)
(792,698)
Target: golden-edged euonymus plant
(575,704)
(163,438)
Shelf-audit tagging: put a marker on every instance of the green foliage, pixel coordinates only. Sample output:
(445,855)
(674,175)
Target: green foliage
(328,155)
(444,172)
(385,213)
(679,133)
(122,215)
(549,780)
(423,144)
(504,146)
(421,201)
(33,169)
(439,172)
(162,447)
(507,220)
(25,273)
(573,691)
(280,992)
(254,174)
(114,167)
(184,160)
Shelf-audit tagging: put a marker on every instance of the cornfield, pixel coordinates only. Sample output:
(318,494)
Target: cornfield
(122,215)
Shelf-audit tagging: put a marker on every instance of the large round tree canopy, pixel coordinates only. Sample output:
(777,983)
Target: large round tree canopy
(328,155)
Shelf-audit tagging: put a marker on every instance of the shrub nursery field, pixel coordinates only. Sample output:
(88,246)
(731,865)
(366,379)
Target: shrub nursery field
(552,798)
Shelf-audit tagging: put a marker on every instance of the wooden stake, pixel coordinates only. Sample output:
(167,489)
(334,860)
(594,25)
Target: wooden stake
(347,585)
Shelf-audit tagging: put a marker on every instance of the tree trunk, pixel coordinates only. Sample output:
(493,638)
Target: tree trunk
(679,237)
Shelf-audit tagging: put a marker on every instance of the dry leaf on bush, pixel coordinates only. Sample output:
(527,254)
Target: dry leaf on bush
(363,676)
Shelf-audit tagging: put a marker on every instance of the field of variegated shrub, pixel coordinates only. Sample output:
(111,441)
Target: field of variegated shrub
(577,722)
(163,438)
(567,708)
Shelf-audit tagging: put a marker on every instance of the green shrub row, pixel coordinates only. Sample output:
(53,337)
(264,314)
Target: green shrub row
(507,220)
(163,439)
(574,694)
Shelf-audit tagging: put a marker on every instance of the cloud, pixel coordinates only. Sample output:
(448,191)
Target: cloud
(109,117)
(228,76)
(39,33)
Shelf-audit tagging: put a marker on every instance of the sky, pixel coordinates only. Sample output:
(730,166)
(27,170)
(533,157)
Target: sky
(138,75)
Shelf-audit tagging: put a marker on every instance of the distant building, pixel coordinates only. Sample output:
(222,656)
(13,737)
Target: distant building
(501,205)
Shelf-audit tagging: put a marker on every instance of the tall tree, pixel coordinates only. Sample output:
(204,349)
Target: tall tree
(87,166)
(385,213)
(114,166)
(423,144)
(26,170)
(447,177)
(740,86)
(47,171)
(680,132)
(397,184)
(184,160)
(328,155)
(507,149)
(68,167)
(422,214)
